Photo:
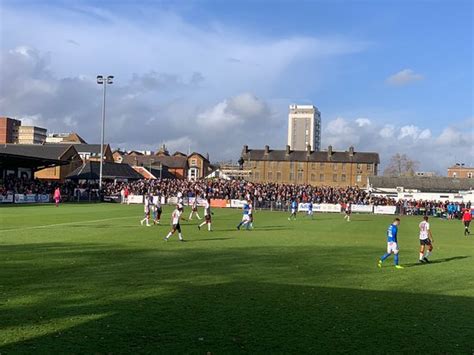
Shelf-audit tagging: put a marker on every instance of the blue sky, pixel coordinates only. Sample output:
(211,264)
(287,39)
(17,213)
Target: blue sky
(388,76)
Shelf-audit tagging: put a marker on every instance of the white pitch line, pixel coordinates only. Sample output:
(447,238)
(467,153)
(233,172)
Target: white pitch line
(64,224)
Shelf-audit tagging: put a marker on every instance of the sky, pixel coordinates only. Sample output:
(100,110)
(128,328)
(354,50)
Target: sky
(210,76)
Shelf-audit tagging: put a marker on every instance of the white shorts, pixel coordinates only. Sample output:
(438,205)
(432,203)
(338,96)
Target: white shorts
(392,247)
(245,218)
(310,212)
(293,211)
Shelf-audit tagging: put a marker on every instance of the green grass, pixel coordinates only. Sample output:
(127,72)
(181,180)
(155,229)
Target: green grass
(90,279)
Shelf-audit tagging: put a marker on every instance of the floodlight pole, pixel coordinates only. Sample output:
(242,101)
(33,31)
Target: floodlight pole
(103,80)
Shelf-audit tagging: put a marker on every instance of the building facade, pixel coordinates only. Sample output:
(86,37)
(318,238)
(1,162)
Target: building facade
(319,168)
(198,166)
(304,127)
(9,130)
(31,135)
(461,172)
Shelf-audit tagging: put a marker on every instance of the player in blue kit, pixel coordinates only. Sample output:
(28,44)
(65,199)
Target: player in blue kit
(392,244)
(310,209)
(246,218)
(294,209)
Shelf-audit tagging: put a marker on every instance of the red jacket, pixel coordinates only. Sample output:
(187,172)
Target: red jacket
(466,216)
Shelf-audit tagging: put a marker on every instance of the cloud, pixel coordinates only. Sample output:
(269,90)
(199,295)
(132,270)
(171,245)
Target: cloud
(362,122)
(387,131)
(404,77)
(210,86)
(73,42)
(434,152)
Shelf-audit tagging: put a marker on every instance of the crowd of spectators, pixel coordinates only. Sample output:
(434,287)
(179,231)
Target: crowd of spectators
(240,189)
(15,185)
(263,194)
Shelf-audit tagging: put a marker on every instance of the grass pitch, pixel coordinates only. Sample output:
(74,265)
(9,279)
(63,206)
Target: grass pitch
(90,279)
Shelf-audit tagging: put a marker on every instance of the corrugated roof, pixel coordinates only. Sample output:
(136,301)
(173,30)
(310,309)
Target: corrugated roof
(424,184)
(43,151)
(91,171)
(81,148)
(173,162)
(315,156)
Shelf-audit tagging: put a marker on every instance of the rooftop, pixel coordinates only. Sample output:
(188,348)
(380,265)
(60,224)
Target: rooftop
(312,156)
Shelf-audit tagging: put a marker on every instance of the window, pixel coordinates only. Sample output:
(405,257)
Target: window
(257,175)
(321,177)
(300,176)
(343,166)
(292,164)
(359,178)
(313,177)
(343,177)
(369,167)
(278,176)
(193,162)
(313,166)
(292,176)
(300,165)
(334,166)
(269,175)
(334,177)
(359,166)
(321,165)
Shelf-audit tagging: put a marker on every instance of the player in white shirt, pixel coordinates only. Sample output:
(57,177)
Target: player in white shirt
(176,216)
(207,215)
(147,209)
(194,209)
(250,212)
(347,215)
(426,240)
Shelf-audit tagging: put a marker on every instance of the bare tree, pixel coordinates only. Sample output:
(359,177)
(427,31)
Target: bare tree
(401,165)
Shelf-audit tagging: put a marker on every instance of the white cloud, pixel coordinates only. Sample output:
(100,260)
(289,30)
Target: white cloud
(387,131)
(403,77)
(362,122)
(434,153)
(425,134)
(410,131)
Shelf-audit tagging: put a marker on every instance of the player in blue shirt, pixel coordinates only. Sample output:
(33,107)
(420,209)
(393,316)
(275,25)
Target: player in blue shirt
(294,208)
(310,209)
(245,217)
(392,243)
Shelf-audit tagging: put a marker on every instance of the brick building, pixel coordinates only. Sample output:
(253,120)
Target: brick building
(329,168)
(461,172)
(9,130)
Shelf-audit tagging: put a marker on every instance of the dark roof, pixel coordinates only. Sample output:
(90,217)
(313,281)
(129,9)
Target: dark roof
(315,156)
(42,151)
(82,148)
(91,171)
(173,162)
(424,184)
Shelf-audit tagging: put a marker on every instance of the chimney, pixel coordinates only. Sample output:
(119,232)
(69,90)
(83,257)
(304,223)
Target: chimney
(308,149)
(351,151)
(330,152)
(246,149)
(287,150)
(267,149)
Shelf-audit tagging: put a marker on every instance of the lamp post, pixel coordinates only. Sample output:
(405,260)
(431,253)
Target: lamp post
(104,81)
